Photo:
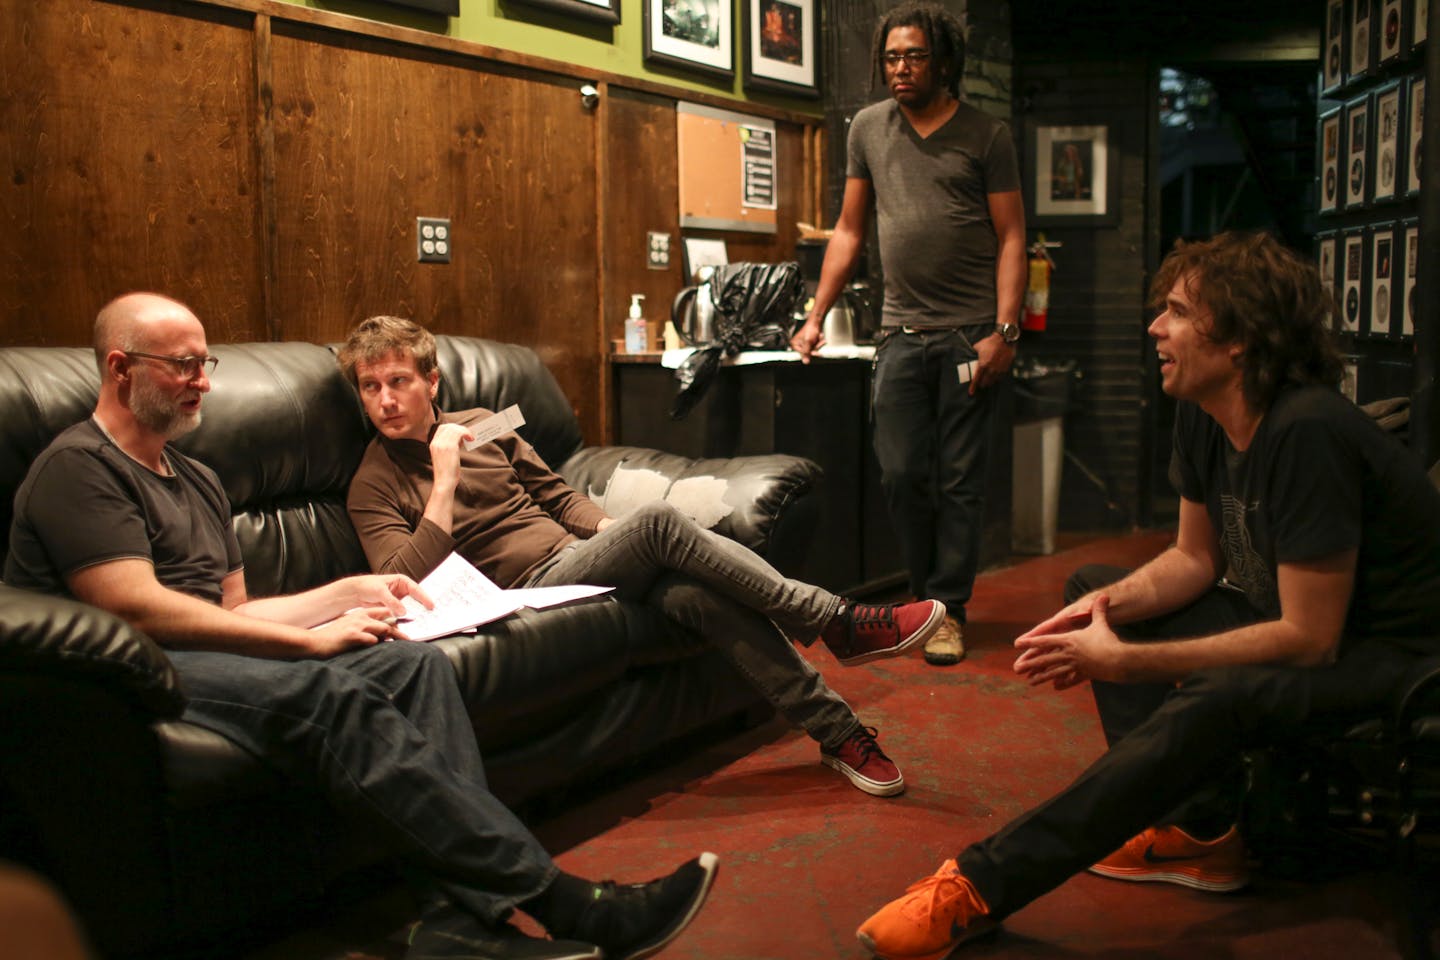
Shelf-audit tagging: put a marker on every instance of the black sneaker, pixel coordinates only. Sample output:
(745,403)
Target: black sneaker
(638,920)
(449,933)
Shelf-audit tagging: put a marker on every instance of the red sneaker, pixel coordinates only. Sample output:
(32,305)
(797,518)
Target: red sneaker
(1170,855)
(934,916)
(863,632)
(865,764)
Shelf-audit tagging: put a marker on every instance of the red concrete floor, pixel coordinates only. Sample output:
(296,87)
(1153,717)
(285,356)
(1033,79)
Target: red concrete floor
(805,857)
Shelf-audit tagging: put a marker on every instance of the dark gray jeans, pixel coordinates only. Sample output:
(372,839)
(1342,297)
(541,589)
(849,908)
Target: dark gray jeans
(727,595)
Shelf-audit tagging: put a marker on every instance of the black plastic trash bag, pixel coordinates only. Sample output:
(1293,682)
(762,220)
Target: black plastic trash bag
(754,309)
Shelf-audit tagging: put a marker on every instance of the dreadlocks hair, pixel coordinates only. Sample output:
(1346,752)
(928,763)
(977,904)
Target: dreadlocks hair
(943,32)
(1264,297)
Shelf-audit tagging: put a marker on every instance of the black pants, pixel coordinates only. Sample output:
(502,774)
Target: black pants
(1170,745)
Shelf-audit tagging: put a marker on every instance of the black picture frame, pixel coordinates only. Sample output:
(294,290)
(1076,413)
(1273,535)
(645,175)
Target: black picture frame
(1382,262)
(1419,23)
(1392,33)
(1409,233)
(1327,258)
(1414,132)
(678,33)
(450,8)
(595,11)
(1331,139)
(1355,161)
(1074,178)
(1387,156)
(1361,60)
(782,49)
(1334,47)
(1353,283)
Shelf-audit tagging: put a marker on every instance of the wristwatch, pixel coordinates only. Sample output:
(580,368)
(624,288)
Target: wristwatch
(1009,332)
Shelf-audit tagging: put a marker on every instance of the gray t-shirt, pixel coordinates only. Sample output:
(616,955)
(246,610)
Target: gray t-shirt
(85,502)
(937,242)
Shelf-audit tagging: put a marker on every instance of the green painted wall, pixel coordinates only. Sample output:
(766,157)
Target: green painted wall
(525,28)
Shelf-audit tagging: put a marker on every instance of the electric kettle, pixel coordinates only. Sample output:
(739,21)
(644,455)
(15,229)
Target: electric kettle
(850,313)
(693,311)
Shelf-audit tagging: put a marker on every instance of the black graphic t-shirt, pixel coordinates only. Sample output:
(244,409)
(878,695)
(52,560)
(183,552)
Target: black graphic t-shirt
(1319,478)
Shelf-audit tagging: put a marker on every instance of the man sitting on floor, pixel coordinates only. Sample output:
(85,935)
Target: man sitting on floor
(419,495)
(112,515)
(1326,533)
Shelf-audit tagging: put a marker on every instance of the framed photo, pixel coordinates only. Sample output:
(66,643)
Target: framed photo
(1415,129)
(1353,292)
(781,55)
(1410,234)
(1326,246)
(1353,175)
(1076,178)
(450,7)
(1392,29)
(600,11)
(694,34)
(1333,65)
(1330,152)
(1350,380)
(1361,38)
(1382,280)
(1385,174)
(1419,23)
(703,252)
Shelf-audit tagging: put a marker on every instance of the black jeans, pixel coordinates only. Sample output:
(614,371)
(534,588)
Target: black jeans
(931,440)
(1180,740)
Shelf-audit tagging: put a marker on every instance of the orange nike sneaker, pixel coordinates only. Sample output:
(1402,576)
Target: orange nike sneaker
(1170,855)
(936,915)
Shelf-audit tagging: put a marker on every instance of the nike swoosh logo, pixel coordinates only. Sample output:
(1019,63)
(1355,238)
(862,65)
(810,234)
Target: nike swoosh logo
(1152,857)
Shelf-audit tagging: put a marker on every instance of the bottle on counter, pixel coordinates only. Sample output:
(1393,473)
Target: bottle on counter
(637,330)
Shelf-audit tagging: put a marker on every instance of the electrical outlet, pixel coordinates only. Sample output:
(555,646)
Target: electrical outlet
(657,250)
(432,240)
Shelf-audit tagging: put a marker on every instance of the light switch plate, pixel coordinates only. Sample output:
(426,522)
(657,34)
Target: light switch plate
(432,239)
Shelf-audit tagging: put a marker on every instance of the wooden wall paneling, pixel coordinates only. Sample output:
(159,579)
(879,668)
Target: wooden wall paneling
(129,164)
(370,134)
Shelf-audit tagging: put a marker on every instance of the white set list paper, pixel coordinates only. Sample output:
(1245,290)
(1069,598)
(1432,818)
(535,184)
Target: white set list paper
(492,426)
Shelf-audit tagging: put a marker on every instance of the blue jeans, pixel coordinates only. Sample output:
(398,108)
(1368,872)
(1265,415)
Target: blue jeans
(725,593)
(385,735)
(931,440)
(1189,735)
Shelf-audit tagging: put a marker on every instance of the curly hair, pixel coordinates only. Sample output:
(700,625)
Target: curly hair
(378,336)
(943,32)
(1264,297)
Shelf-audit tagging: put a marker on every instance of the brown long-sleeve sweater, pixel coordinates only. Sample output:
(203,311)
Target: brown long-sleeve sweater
(512,512)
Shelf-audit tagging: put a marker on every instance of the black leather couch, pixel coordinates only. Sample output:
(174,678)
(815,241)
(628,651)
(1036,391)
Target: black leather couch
(167,838)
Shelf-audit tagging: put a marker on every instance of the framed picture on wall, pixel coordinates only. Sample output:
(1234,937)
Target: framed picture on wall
(1415,129)
(1326,245)
(1392,30)
(1330,130)
(1353,292)
(1382,279)
(1410,231)
(601,11)
(450,7)
(1353,172)
(695,34)
(1361,38)
(1420,22)
(1333,65)
(1076,175)
(1386,172)
(780,50)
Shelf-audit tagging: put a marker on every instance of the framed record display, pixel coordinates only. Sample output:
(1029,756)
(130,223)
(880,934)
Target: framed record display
(1361,38)
(1414,129)
(1382,280)
(1332,66)
(1325,259)
(1410,257)
(1330,151)
(1419,22)
(1391,41)
(1354,177)
(1385,172)
(1353,292)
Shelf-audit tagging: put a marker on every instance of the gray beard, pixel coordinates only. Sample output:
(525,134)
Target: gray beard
(154,414)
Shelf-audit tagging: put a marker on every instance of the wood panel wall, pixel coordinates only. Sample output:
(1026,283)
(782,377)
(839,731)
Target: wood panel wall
(265,163)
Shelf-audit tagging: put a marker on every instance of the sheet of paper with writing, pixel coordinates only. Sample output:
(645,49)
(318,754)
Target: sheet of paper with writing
(492,426)
(464,599)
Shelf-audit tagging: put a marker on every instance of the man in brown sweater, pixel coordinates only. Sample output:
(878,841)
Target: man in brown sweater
(420,495)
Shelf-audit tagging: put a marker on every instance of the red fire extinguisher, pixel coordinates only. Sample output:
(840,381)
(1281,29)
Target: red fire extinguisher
(1037,291)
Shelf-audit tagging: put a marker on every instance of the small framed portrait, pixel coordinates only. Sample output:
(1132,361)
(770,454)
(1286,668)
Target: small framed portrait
(1410,257)
(1385,168)
(1414,130)
(1362,39)
(1076,175)
(697,35)
(1332,66)
(1354,179)
(1392,43)
(1382,280)
(1326,258)
(781,54)
(1419,22)
(1354,281)
(1329,139)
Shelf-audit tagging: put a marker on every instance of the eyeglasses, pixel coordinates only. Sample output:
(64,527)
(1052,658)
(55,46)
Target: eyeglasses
(187,367)
(912,57)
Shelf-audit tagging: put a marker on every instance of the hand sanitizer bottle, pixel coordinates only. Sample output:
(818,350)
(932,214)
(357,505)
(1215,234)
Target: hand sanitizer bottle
(637,331)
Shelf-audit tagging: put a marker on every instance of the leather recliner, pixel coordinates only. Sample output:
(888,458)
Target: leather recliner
(166,837)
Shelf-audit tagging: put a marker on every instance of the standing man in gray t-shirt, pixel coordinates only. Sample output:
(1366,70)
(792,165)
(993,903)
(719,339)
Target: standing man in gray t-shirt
(945,185)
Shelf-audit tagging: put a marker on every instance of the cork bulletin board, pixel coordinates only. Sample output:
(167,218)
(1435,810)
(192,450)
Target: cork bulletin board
(727,169)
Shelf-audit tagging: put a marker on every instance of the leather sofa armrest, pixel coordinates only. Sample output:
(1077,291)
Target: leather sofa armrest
(47,634)
(1417,706)
(762,501)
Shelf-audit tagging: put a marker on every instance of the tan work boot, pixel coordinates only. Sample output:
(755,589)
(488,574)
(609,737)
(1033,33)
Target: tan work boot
(947,647)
